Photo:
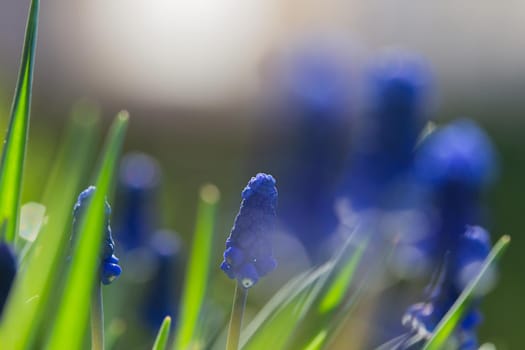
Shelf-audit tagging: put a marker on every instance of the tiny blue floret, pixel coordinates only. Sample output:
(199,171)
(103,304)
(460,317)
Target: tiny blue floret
(109,267)
(248,255)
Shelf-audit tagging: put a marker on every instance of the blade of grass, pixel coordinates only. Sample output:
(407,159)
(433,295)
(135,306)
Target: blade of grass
(44,261)
(196,278)
(277,318)
(451,319)
(313,329)
(13,154)
(161,341)
(72,315)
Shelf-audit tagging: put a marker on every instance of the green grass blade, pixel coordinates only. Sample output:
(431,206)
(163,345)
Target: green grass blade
(33,288)
(13,154)
(81,140)
(72,316)
(318,341)
(330,302)
(161,341)
(277,319)
(337,288)
(198,268)
(451,319)
(282,322)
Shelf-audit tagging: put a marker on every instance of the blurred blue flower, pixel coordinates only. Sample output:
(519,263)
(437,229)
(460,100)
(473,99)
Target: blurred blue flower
(456,163)
(8,268)
(139,179)
(422,318)
(164,289)
(248,253)
(382,150)
(109,268)
(314,88)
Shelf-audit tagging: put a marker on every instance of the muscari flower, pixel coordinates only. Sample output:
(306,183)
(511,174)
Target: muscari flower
(456,163)
(248,254)
(165,286)
(387,133)
(109,267)
(8,268)
(139,179)
(422,318)
(314,88)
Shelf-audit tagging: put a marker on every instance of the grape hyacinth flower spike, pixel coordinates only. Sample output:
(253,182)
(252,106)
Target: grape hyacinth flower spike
(248,254)
(457,163)
(109,268)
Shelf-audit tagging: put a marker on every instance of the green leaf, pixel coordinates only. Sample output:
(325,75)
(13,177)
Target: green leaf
(73,312)
(337,288)
(451,319)
(290,317)
(161,341)
(44,262)
(274,323)
(332,302)
(196,279)
(13,154)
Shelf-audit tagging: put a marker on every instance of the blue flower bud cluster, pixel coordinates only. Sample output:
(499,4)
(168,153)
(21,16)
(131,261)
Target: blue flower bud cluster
(248,255)
(314,82)
(422,318)
(382,152)
(456,163)
(109,267)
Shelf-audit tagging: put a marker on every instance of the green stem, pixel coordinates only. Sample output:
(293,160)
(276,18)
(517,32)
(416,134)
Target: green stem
(97,319)
(234,330)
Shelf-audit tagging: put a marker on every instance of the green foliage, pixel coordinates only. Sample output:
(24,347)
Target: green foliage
(196,279)
(13,154)
(44,262)
(161,342)
(72,314)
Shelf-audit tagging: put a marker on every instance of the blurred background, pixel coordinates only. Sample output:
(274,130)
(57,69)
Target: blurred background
(196,77)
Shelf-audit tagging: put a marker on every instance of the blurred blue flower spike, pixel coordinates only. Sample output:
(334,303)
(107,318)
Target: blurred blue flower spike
(314,86)
(109,267)
(456,163)
(474,246)
(164,289)
(139,178)
(248,254)
(8,268)
(382,151)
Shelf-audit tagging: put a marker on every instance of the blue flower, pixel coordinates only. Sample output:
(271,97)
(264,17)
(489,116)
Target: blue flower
(8,268)
(136,215)
(382,151)
(422,318)
(165,287)
(459,154)
(248,254)
(456,164)
(314,88)
(109,267)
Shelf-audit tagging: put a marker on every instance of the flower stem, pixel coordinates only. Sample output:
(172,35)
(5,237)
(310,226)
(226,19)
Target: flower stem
(97,319)
(234,330)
